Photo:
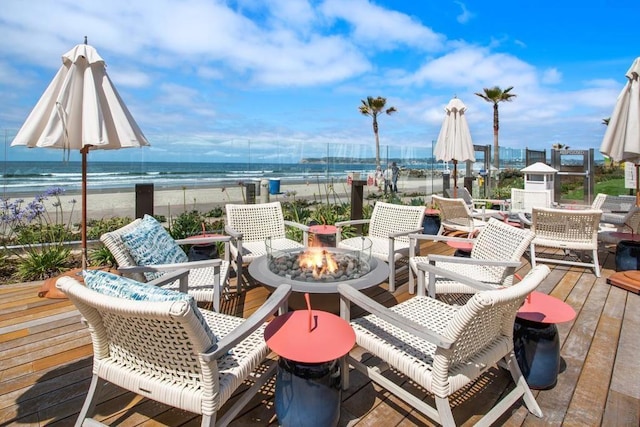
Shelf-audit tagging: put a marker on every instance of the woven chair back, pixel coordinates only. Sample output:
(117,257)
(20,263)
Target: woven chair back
(389,218)
(257,222)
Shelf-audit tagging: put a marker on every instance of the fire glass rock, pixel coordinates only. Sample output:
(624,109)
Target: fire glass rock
(348,266)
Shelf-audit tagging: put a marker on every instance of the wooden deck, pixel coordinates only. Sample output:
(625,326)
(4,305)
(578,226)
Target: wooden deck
(46,356)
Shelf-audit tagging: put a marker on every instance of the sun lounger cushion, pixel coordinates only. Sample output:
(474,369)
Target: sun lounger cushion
(151,244)
(121,287)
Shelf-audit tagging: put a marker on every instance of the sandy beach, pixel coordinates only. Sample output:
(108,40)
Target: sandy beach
(171,202)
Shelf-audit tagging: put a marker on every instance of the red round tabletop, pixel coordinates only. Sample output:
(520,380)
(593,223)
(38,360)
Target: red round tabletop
(323,229)
(463,246)
(330,337)
(431,212)
(543,308)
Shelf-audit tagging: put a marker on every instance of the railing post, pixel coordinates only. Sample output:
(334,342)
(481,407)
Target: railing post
(357,199)
(144,200)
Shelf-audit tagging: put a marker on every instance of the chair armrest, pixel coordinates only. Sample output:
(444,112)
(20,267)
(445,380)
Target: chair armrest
(340,224)
(465,260)
(232,232)
(169,277)
(203,240)
(404,233)
(361,300)
(302,227)
(441,272)
(439,238)
(277,299)
(170,267)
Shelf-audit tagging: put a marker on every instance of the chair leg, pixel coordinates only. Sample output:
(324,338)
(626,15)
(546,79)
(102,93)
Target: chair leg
(444,412)
(412,280)
(521,383)
(532,255)
(596,263)
(90,401)
(392,273)
(344,372)
(208,421)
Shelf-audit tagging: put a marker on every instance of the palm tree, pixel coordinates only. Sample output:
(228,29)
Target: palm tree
(372,107)
(496,95)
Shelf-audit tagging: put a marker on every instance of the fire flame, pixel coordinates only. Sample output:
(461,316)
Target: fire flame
(319,260)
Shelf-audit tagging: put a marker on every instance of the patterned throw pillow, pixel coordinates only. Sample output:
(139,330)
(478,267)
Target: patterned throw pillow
(122,287)
(150,244)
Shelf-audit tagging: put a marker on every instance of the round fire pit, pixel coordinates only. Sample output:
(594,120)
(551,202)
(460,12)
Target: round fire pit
(359,276)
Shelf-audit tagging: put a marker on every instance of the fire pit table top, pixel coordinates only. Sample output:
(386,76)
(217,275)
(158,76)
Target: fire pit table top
(259,270)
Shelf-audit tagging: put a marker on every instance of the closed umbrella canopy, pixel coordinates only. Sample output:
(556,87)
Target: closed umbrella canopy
(621,141)
(81,110)
(454,141)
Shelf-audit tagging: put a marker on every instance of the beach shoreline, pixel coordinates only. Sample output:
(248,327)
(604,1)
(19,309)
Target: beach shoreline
(105,203)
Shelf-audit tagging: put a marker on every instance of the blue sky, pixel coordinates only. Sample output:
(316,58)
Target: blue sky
(203,78)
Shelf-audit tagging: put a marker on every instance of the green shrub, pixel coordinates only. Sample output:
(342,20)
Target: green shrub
(41,264)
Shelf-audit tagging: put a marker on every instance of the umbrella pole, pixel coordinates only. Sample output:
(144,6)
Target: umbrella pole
(637,185)
(455,178)
(83,224)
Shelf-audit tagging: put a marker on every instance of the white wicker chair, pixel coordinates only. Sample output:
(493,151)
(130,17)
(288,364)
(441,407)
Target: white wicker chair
(163,351)
(440,347)
(207,279)
(496,254)
(250,225)
(523,201)
(456,217)
(389,229)
(569,230)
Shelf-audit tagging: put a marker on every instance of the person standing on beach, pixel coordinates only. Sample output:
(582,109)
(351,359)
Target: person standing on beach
(379,178)
(395,172)
(387,179)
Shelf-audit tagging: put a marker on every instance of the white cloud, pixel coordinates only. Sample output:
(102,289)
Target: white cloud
(382,28)
(466,15)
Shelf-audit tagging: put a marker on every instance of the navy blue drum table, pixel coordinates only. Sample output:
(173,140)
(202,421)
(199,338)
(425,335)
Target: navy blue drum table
(535,338)
(310,344)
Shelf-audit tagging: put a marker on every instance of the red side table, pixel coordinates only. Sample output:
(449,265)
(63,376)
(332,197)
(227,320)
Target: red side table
(202,251)
(325,235)
(310,344)
(463,249)
(535,338)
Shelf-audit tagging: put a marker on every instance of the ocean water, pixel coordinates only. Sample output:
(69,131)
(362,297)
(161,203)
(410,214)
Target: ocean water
(36,177)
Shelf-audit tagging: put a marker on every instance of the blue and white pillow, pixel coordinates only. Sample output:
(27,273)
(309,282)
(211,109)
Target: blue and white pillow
(150,244)
(122,287)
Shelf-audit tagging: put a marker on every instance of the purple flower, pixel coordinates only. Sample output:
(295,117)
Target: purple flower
(54,191)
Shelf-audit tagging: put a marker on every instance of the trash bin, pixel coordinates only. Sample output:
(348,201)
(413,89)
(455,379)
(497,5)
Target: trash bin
(274,186)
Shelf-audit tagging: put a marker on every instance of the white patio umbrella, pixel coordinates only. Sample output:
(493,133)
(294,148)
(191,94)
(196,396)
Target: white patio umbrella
(81,110)
(454,141)
(621,141)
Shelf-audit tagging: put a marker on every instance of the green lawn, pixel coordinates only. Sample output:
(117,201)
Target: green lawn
(613,186)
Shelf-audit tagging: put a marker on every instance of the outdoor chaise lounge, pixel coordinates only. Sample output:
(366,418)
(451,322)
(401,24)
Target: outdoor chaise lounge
(441,348)
(144,251)
(389,229)
(159,344)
